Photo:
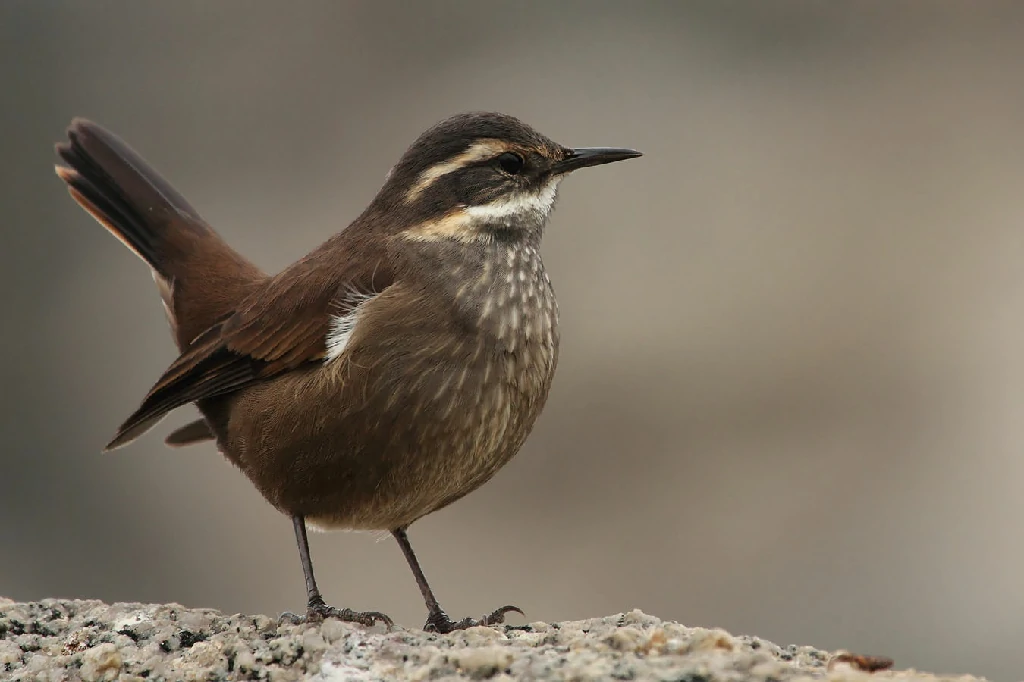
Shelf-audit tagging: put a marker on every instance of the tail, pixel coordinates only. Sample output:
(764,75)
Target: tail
(121,191)
(146,214)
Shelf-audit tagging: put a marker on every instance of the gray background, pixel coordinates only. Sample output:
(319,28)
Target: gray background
(791,391)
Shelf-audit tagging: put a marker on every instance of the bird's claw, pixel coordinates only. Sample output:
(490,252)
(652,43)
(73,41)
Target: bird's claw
(441,623)
(317,611)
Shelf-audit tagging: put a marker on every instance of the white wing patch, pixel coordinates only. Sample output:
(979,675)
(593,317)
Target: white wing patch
(342,326)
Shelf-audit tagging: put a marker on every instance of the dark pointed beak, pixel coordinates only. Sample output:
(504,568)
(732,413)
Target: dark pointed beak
(593,156)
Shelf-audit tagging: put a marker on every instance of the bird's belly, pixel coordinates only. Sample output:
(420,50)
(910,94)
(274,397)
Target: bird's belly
(393,437)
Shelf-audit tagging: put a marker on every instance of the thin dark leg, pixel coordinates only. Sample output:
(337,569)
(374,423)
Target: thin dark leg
(316,609)
(437,619)
(312,591)
(421,580)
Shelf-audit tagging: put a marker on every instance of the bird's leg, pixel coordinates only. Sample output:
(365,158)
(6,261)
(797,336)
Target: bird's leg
(437,619)
(316,609)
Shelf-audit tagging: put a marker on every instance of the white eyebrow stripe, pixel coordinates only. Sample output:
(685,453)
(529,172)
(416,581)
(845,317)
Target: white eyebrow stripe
(479,150)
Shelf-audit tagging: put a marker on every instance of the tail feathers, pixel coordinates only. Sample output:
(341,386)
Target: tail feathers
(200,277)
(119,220)
(126,195)
(190,434)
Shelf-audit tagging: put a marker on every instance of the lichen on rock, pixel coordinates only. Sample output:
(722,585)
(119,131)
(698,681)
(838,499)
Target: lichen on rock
(66,641)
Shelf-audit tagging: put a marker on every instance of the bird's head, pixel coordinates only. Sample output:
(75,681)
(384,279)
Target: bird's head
(478,176)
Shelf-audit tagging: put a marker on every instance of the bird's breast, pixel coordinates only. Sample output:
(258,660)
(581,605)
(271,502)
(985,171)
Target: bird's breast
(492,358)
(508,298)
(505,310)
(438,387)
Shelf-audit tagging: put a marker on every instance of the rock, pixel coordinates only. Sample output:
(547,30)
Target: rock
(65,640)
(101,662)
(483,662)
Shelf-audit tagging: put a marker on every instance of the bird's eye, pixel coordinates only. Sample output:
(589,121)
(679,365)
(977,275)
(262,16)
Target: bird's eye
(511,163)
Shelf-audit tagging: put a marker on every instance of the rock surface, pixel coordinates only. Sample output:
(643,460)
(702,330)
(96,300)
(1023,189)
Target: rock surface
(58,640)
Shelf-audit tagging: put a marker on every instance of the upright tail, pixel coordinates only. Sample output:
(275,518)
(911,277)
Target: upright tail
(124,193)
(200,277)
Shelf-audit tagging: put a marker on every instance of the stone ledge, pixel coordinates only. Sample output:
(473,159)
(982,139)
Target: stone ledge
(57,640)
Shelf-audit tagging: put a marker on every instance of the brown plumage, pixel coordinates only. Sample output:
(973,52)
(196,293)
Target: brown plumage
(388,373)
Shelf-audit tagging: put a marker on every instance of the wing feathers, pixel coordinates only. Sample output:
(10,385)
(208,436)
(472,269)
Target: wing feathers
(278,328)
(200,376)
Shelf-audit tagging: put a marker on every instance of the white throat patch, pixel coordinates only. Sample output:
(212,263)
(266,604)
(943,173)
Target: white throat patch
(535,205)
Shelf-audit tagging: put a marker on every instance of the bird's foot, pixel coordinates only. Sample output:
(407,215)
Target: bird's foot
(317,611)
(440,622)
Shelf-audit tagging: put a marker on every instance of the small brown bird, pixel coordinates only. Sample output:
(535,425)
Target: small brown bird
(388,373)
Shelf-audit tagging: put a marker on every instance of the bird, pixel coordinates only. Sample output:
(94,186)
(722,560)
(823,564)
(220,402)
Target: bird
(385,375)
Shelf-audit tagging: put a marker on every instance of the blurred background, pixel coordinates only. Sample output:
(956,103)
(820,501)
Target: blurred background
(790,400)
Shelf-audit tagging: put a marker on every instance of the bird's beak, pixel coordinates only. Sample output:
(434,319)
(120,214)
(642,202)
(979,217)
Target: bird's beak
(593,156)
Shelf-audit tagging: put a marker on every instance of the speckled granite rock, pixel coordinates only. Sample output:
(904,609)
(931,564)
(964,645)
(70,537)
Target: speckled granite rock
(57,640)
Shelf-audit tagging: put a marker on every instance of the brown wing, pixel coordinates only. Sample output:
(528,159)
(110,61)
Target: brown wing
(278,328)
